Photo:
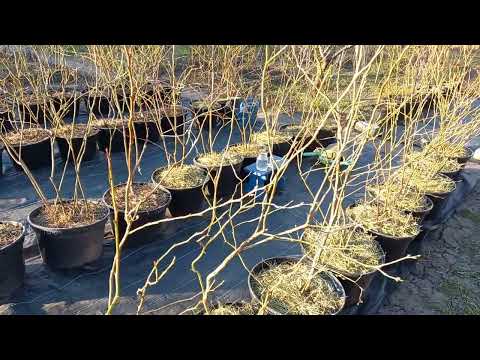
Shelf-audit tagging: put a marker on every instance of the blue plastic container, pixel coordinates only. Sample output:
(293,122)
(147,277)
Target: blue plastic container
(246,113)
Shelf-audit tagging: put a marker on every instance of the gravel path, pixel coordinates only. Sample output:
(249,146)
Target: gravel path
(446,279)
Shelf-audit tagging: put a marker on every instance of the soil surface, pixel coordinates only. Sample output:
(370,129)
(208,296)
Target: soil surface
(9,233)
(142,193)
(69,215)
(446,279)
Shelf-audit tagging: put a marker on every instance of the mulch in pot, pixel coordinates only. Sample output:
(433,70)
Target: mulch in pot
(283,284)
(32,145)
(350,253)
(152,200)
(12,265)
(70,233)
(185,183)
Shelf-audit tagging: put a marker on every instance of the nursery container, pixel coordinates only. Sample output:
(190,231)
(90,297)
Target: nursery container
(205,117)
(147,130)
(250,160)
(34,155)
(184,201)
(33,113)
(394,247)
(73,101)
(464,159)
(438,200)
(144,217)
(263,265)
(324,138)
(12,266)
(352,283)
(109,137)
(69,248)
(99,104)
(172,123)
(454,175)
(228,180)
(420,215)
(77,143)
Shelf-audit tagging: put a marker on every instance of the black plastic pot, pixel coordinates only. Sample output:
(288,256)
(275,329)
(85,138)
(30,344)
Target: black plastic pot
(207,118)
(250,160)
(324,138)
(12,266)
(100,105)
(172,125)
(184,201)
(111,138)
(352,283)
(147,131)
(393,247)
(454,175)
(6,117)
(228,108)
(253,285)
(33,113)
(70,105)
(438,199)
(143,236)
(69,248)
(464,159)
(420,215)
(227,181)
(90,147)
(35,155)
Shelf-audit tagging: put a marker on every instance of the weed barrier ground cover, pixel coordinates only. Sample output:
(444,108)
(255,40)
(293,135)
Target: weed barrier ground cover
(85,291)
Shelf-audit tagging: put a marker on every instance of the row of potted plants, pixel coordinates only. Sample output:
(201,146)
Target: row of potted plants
(376,232)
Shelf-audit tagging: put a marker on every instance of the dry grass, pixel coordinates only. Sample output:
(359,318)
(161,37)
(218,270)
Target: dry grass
(27,136)
(214,159)
(247,150)
(234,309)
(274,137)
(432,163)
(350,251)
(287,288)
(425,183)
(110,123)
(403,198)
(146,196)
(70,214)
(9,233)
(383,219)
(180,176)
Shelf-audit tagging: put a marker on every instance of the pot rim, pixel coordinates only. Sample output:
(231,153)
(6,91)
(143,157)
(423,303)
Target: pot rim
(93,133)
(19,238)
(292,258)
(152,177)
(163,188)
(49,137)
(47,228)
(443,194)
